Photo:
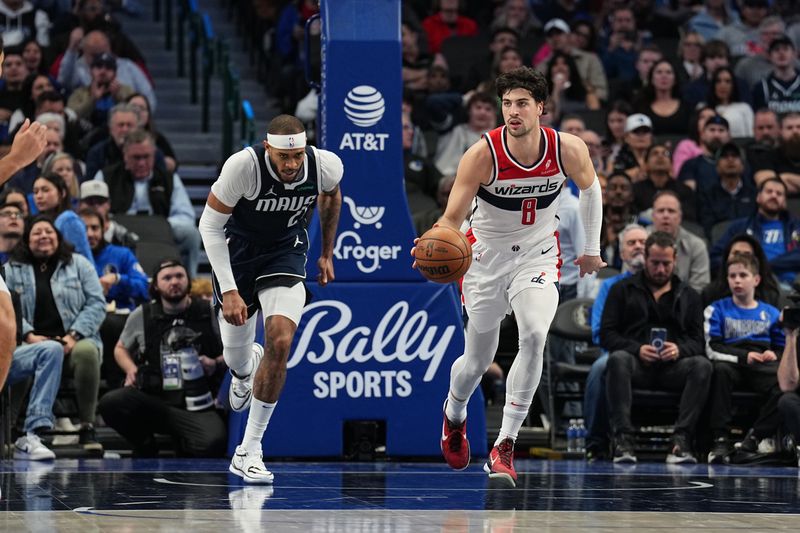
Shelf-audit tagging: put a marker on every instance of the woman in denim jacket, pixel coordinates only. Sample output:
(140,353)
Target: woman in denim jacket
(62,300)
(51,197)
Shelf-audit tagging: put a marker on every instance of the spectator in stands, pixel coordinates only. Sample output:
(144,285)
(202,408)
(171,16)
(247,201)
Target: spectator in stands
(34,85)
(715,55)
(11,95)
(568,93)
(94,195)
(638,139)
(121,276)
(743,340)
(64,165)
(61,300)
(754,68)
(777,230)
(618,212)
(416,61)
(691,263)
(658,177)
(701,171)
(33,56)
(572,124)
(481,68)
(141,106)
(780,91)
(789,381)
(766,291)
(655,298)
(690,147)
(13,195)
(75,71)
(733,196)
(690,55)
(12,224)
(714,15)
(723,96)
(509,59)
(94,101)
(629,90)
(742,36)
(420,176)
(174,330)
(595,146)
(76,131)
(587,64)
(20,20)
(52,198)
(517,15)
(614,138)
(620,47)
(661,100)
(138,187)
(446,22)
(783,161)
(482,111)
(766,128)
(122,119)
(631,250)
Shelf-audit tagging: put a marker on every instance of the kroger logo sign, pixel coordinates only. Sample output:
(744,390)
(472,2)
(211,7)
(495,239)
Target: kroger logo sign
(349,245)
(364,106)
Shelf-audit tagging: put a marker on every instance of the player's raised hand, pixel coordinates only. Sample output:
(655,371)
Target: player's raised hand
(325,267)
(589,264)
(28,143)
(234,310)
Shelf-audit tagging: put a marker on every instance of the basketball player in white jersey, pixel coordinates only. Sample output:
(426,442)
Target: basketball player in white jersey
(254,232)
(509,183)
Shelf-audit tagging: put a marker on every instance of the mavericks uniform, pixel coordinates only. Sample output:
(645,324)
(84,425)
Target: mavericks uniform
(513,229)
(267,237)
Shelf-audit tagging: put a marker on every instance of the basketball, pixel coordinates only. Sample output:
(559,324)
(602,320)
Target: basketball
(443,254)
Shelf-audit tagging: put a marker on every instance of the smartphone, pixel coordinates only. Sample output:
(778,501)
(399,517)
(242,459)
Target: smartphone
(791,317)
(658,336)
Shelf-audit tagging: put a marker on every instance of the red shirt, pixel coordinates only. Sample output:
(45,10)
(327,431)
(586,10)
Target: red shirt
(438,30)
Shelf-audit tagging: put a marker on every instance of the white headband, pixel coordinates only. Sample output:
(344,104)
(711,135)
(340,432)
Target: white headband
(287,142)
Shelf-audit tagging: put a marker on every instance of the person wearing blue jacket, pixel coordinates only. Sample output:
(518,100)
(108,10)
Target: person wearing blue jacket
(773,226)
(51,197)
(121,276)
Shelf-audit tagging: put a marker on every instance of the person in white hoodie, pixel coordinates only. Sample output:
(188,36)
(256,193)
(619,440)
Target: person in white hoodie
(20,21)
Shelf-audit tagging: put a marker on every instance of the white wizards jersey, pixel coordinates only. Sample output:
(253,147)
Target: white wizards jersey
(517,210)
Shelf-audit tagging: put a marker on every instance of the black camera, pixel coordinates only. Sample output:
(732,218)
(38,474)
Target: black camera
(791,317)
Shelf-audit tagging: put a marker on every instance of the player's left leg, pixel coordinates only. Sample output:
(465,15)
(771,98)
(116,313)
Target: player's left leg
(534,310)
(282,308)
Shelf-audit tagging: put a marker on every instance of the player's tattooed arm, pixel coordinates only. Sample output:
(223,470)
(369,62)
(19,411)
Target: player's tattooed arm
(330,204)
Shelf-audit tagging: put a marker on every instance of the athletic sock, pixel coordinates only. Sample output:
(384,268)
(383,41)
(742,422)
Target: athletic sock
(260,413)
(455,410)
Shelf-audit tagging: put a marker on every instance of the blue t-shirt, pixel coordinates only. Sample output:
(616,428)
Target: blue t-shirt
(772,239)
(730,324)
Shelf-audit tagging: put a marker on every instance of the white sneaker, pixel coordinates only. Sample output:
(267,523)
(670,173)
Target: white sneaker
(240,392)
(30,447)
(250,467)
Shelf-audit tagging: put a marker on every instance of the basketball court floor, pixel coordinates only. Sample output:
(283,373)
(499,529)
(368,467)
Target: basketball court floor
(200,495)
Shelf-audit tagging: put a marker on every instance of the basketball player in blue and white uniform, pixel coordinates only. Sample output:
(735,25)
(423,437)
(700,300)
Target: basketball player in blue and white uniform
(509,183)
(254,232)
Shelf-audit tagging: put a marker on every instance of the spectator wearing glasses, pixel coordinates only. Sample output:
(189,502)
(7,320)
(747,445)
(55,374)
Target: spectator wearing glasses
(12,224)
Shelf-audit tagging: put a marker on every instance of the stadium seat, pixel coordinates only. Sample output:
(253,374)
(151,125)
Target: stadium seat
(719,230)
(150,253)
(149,228)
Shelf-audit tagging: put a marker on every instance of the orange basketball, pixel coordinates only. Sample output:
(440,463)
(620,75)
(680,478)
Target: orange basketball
(443,254)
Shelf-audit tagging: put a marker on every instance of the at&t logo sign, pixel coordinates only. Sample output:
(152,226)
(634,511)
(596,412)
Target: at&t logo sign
(364,106)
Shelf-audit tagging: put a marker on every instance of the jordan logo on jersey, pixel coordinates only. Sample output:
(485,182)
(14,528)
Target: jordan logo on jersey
(271,191)
(297,241)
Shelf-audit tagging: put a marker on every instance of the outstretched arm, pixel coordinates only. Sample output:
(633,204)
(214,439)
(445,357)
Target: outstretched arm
(578,166)
(330,205)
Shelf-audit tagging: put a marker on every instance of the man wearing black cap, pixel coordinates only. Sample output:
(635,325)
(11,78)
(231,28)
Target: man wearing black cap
(93,102)
(780,91)
(701,171)
(169,351)
(732,196)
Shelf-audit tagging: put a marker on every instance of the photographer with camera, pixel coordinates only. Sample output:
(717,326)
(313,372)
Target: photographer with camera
(652,329)
(789,376)
(171,354)
(93,102)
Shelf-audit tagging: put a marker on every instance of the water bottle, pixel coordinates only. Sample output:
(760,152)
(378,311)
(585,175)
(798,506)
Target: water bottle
(572,436)
(581,438)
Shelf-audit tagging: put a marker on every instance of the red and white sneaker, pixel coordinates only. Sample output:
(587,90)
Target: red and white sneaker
(501,462)
(454,444)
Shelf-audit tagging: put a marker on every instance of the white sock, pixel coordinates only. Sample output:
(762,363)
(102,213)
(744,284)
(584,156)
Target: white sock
(456,409)
(514,414)
(260,413)
(239,359)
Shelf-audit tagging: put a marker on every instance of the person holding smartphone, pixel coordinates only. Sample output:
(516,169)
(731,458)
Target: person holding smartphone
(94,101)
(635,310)
(744,341)
(789,376)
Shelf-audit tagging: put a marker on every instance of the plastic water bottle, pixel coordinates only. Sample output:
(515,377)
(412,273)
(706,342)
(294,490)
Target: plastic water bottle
(572,436)
(581,438)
